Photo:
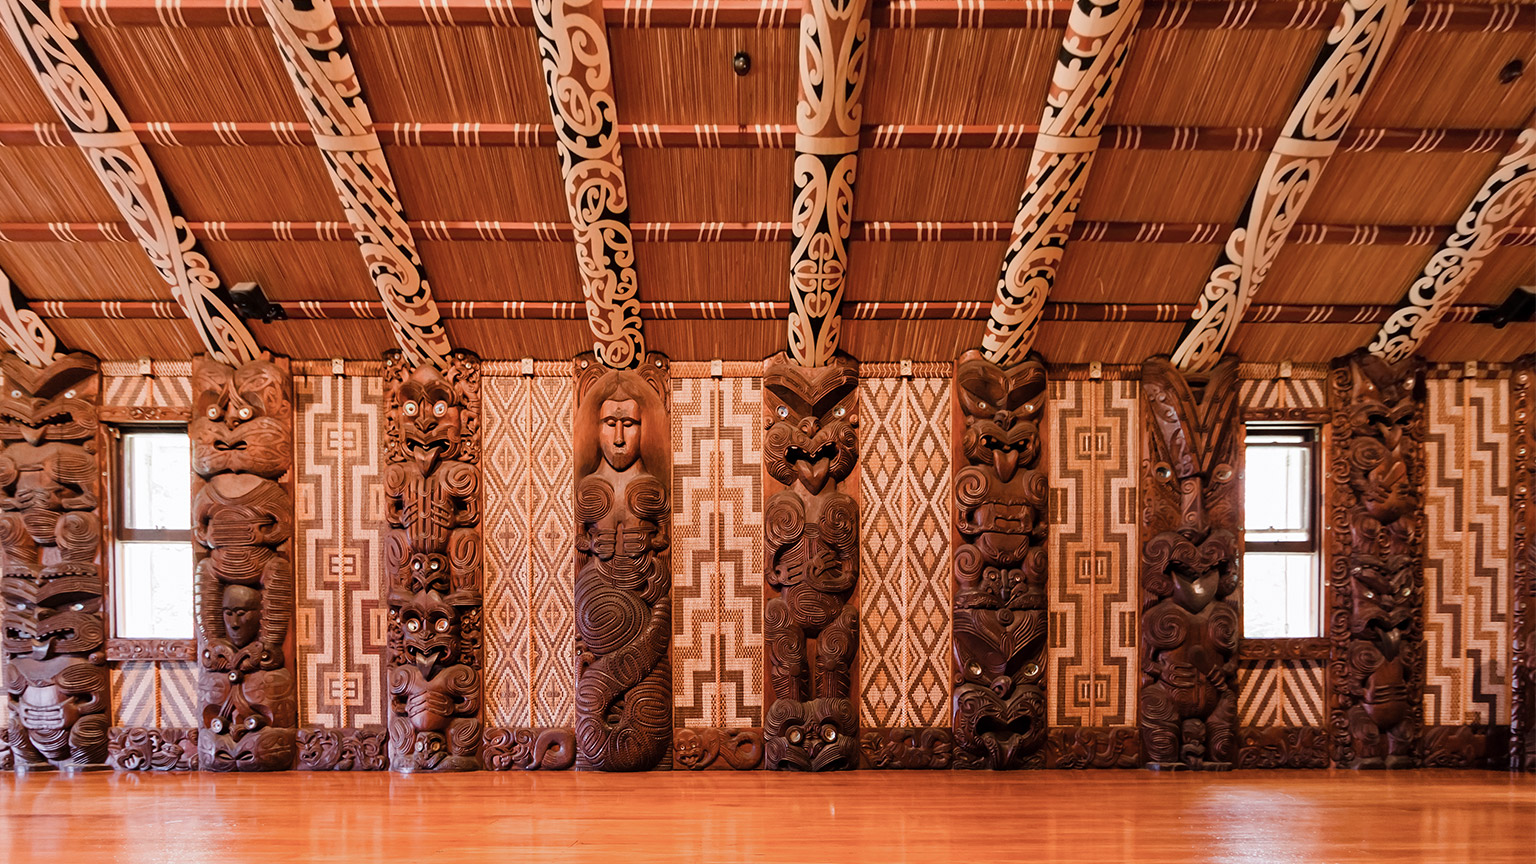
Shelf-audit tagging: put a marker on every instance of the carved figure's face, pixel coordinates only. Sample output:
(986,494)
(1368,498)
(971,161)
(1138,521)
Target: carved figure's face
(242,614)
(430,632)
(430,417)
(47,404)
(239,419)
(60,616)
(619,432)
(1002,413)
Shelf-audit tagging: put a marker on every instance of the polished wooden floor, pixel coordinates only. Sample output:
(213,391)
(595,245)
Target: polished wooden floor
(894,816)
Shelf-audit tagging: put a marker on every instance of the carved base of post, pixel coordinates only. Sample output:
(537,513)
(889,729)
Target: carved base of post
(1075,747)
(365,749)
(717,749)
(6,762)
(134,748)
(1283,747)
(524,749)
(907,748)
(1463,746)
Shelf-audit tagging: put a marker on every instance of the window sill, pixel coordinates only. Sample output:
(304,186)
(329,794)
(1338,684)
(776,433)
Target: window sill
(151,649)
(1283,649)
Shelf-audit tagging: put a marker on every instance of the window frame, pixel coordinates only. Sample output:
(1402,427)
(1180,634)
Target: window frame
(1312,435)
(123,648)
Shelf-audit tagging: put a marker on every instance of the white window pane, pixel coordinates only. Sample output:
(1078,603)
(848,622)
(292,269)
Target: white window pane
(1276,490)
(158,466)
(1280,596)
(154,590)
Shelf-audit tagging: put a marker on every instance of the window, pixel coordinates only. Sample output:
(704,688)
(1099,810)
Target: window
(1282,591)
(153,587)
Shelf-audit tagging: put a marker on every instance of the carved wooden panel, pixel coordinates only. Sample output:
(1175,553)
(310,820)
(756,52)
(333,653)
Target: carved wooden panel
(50,530)
(717,749)
(135,748)
(1522,628)
(1190,598)
(348,749)
(1001,529)
(1375,516)
(151,649)
(905,747)
(528,749)
(811,551)
(1283,747)
(623,470)
(242,528)
(1072,747)
(432,561)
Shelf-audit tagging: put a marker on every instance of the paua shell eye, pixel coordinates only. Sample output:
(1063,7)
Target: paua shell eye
(783,411)
(409,409)
(974,668)
(1031,670)
(828,733)
(69,394)
(1223,473)
(213,412)
(795,736)
(441,626)
(413,625)
(439,409)
(244,412)
(15,394)
(1163,471)
(840,411)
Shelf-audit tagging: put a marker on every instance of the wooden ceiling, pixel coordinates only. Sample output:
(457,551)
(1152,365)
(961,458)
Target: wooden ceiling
(269,184)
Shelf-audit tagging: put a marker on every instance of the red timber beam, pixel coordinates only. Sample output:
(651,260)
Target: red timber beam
(1093,50)
(1435,16)
(1214,139)
(67,75)
(578,77)
(319,64)
(1488,219)
(1182,233)
(751,310)
(1356,49)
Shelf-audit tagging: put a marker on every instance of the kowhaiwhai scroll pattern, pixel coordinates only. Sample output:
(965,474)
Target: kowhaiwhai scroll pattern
(22,330)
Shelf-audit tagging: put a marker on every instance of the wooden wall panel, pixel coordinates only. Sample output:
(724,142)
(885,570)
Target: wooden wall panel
(1522,739)
(1466,565)
(341,618)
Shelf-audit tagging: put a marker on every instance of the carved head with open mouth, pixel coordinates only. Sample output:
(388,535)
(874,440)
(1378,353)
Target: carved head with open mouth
(429,629)
(240,418)
(429,414)
(1002,410)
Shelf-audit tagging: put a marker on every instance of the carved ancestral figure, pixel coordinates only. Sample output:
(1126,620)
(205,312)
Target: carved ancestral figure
(623,565)
(242,515)
(1376,511)
(432,562)
(1192,509)
(50,530)
(1000,565)
(811,528)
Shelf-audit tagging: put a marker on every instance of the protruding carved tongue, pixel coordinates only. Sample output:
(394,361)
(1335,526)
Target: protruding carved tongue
(31,434)
(426,457)
(813,475)
(1005,462)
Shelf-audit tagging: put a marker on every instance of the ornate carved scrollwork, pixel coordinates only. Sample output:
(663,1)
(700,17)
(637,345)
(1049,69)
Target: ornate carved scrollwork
(811,528)
(242,527)
(50,530)
(1000,564)
(902,747)
(1522,627)
(343,749)
(721,749)
(1073,747)
(1283,747)
(623,464)
(1190,606)
(528,749)
(141,749)
(432,559)
(1376,513)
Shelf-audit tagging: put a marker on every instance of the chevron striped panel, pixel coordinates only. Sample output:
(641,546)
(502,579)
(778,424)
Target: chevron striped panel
(905,551)
(147,391)
(339,514)
(1281,693)
(133,694)
(1275,394)
(552,543)
(178,694)
(1092,447)
(1466,570)
(508,552)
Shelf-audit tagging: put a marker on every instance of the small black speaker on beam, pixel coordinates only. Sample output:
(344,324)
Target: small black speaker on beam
(251,303)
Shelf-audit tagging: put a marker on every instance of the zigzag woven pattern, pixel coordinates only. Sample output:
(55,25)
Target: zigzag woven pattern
(1466,570)
(905,552)
(340,616)
(146,391)
(1093,447)
(1281,693)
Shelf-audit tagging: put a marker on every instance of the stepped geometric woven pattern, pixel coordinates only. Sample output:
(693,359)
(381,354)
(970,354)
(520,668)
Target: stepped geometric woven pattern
(1092,440)
(1466,570)
(157,391)
(905,551)
(1281,693)
(340,616)
(717,552)
(1278,393)
(530,630)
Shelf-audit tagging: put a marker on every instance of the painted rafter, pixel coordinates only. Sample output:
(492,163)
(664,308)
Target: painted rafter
(1093,50)
(23,330)
(320,65)
(834,41)
(1356,49)
(578,76)
(56,54)
(1499,203)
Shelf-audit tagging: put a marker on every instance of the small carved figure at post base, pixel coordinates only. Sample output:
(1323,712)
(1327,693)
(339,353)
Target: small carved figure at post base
(364,749)
(432,562)
(528,749)
(54,629)
(1190,598)
(718,749)
(623,565)
(811,529)
(143,749)
(907,748)
(1000,624)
